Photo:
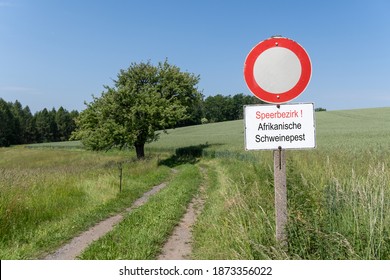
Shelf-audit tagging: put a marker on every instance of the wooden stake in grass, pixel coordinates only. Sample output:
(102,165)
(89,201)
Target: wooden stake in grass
(280,195)
(120,176)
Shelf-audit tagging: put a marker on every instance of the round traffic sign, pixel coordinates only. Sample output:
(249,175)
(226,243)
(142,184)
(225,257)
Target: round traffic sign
(277,70)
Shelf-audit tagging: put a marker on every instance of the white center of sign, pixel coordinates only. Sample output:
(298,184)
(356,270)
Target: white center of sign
(277,70)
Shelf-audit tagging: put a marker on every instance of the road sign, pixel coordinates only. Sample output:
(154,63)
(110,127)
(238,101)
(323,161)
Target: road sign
(286,126)
(277,70)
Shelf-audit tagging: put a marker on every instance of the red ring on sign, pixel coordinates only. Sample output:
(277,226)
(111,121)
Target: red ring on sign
(292,93)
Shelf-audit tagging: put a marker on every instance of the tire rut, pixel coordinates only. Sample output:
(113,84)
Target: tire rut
(179,244)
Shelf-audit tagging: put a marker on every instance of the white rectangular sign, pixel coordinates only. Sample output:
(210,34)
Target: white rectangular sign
(289,126)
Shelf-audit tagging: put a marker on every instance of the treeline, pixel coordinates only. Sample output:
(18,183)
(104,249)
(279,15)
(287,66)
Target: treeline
(220,108)
(19,126)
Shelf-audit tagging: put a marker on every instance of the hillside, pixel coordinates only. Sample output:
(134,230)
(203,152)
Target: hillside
(357,129)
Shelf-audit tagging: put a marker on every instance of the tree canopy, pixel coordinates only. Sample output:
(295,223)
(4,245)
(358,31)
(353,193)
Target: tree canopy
(145,99)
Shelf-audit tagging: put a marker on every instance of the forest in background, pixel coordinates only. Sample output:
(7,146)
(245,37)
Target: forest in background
(19,126)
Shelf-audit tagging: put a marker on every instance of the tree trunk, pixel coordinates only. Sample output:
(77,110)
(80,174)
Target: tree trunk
(140,150)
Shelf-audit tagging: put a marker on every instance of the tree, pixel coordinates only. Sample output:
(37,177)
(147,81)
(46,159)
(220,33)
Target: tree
(65,124)
(7,122)
(145,99)
(239,100)
(216,108)
(221,108)
(18,126)
(45,125)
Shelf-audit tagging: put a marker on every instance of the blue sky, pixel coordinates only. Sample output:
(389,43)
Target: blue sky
(58,53)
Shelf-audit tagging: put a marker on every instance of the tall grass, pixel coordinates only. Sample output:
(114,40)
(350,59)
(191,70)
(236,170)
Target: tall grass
(238,218)
(48,196)
(357,209)
(340,216)
(343,217)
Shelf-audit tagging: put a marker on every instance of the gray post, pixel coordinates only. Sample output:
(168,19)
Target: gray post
(280,195)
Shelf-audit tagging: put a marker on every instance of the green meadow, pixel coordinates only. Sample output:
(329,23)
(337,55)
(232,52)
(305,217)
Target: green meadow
(48,195)
(338,194)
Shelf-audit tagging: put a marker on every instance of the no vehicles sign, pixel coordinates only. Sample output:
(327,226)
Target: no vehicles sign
(277,70)
(286,126)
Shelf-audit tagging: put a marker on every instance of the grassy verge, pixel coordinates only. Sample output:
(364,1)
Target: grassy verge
(48,196)
(142,233)
(335,212)
(238,218)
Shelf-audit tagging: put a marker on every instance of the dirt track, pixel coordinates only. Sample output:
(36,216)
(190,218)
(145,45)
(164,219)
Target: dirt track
(78,244)
(178,246)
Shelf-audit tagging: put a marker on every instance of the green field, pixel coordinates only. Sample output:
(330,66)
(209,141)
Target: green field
(338,193)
